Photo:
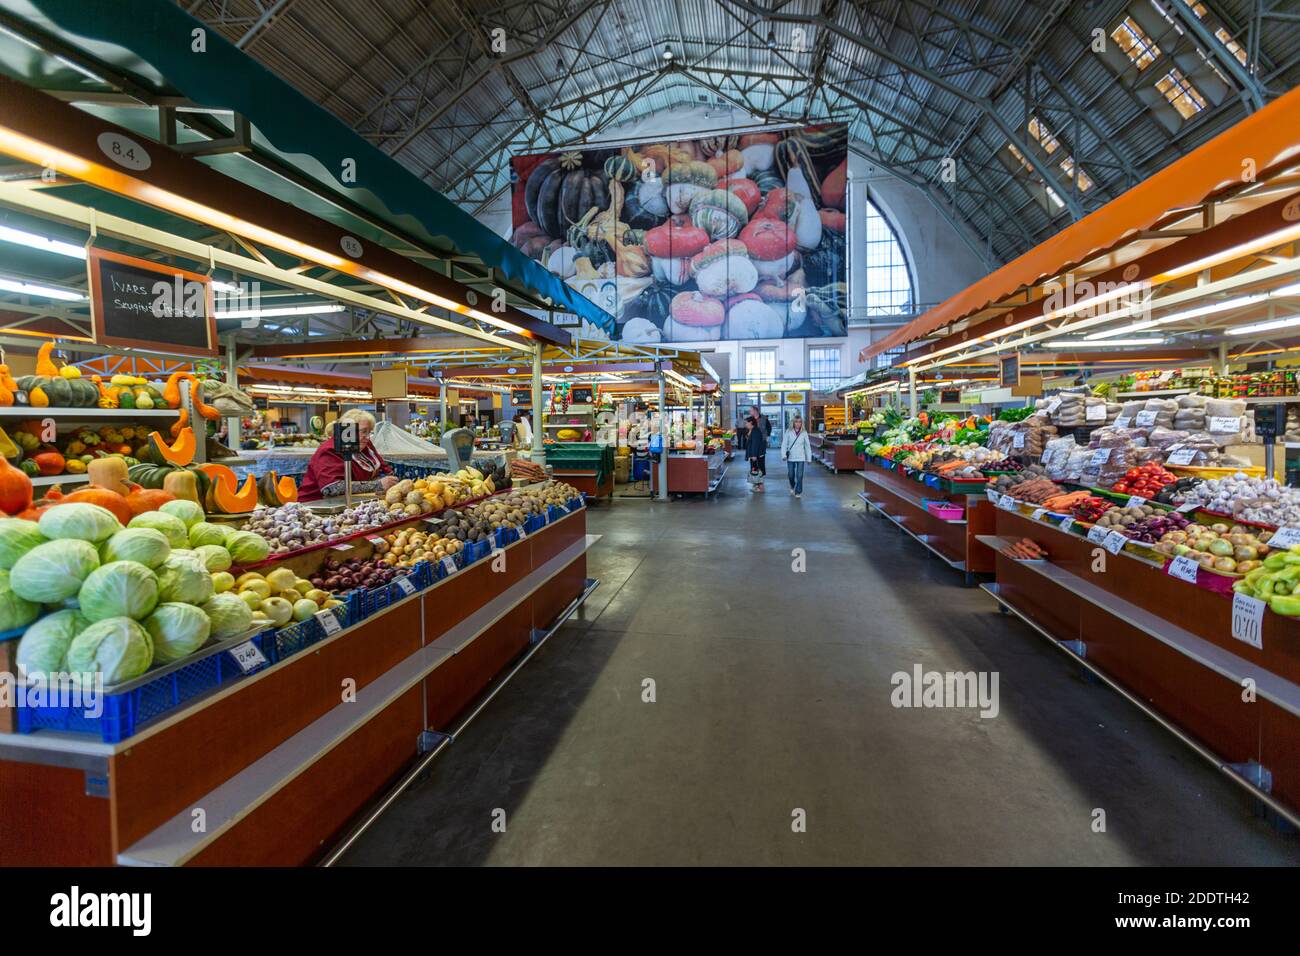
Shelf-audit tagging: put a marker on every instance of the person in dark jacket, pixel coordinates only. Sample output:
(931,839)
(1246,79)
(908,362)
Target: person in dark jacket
(756,452)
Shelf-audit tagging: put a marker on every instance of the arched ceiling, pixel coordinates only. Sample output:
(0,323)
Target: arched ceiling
(454,88)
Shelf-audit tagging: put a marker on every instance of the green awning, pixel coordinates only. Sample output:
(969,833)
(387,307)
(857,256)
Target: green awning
(151,43)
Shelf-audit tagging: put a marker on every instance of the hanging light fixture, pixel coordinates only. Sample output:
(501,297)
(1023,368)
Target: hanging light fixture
(771,39)
(668,53)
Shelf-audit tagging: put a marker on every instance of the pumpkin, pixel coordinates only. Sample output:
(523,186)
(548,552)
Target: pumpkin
(827,264)
(141,500)
(824,142)
(719,212)
(633,262)
(15,490)
(558,192)
(171,392)
(104,498)
(713,145)
(110,474)
(149,475)
(50,462)
(730,163)
(621,169)
(200,408)
(44,364)
(791,154)
(179,453)
(218,473)
(635,213)
(767,180)
(59,391)
(224,499)
(182,420)
(182,483)
(653,303)
(835,184)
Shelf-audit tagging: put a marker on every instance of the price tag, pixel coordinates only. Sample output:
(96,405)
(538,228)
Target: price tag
(994,497)
(329,621)
(1097,534)
(404,582)
(1284,537)
(1187,506)
(1135,501)
(1181,456)
(1038,514)
(1115,542)
(248,657)
(1008,503)
(1124,421)
(1067,523)
(1094,413)
(1146,419)
(449,564)
(1223,425)
(1099,457)
(1184,569)
(1248,619)
(1050,406)
(1018,440)
(522,533)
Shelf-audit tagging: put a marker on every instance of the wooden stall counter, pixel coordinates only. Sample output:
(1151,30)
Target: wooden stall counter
(837,454)
(270,769)
(691,474)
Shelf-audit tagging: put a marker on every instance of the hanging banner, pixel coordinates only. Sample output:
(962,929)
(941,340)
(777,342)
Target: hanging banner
(136,303)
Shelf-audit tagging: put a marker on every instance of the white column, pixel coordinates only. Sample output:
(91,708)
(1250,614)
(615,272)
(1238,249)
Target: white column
(911,389)
(232,379)
(663,436)
(442,405)
(538,452)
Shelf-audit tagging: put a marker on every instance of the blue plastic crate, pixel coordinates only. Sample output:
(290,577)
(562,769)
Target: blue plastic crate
(934,481)
(534,523)
(555,512)
(574,504)
(363,602)
(504,536)
(474,551)
(125,713)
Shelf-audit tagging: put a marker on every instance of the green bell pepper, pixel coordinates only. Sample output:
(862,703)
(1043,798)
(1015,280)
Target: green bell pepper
(1287,605)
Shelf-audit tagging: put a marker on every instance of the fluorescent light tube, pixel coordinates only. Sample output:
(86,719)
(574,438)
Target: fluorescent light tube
(1283,323)
(1085,343)
(42,291)
(282,310)
(43,243)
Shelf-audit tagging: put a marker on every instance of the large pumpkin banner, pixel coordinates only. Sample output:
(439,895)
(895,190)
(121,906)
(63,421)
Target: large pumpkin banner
(722,237)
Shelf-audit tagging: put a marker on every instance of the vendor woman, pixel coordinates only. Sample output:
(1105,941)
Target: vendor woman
(324,478)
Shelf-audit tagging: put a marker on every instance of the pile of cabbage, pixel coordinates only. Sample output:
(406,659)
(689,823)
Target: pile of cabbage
(98,598)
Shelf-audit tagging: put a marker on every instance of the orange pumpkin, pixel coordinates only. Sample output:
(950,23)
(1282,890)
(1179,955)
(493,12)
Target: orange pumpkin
(105,499)
(180,453)
(141,500)
(196,398)
(15,489)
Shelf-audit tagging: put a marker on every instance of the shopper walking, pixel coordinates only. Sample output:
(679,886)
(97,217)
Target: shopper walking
(756,452)
(796,451)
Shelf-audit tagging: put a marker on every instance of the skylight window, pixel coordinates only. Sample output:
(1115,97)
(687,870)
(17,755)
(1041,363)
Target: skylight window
(1050,144)
(1135,43)
(1218,29)
(1181,94)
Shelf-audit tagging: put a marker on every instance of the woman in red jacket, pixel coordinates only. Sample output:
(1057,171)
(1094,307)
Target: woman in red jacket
(324,477)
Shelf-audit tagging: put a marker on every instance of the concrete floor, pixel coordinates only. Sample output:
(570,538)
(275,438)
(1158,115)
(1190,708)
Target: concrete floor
(773,695)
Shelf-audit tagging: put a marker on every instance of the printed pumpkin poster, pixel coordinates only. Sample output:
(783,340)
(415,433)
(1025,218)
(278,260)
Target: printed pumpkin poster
(722,237)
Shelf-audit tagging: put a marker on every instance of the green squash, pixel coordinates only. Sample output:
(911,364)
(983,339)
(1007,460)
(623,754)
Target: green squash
(58,388)
(148,475)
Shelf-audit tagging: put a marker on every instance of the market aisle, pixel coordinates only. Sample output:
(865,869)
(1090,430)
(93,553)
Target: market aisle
(773,694)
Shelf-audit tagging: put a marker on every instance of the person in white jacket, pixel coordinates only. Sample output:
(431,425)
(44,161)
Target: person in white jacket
(796,451)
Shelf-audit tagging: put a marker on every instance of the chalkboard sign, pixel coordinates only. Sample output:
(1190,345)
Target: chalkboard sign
(950,396)
(136,303)
(1009,370)
(261,402)
(580,396)
(332,405)
(522,398)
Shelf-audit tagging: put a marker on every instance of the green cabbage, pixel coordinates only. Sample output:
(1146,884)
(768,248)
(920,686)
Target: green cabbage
(229,615)
(177,630)
(119,589)
(187,511)
(247,547)
(53,571)
(184,578)
(15,612)
(146,545)
(116,647)
(204,533)
(170,525)
(214,557)
(44,648)
(17,537)
(79,520)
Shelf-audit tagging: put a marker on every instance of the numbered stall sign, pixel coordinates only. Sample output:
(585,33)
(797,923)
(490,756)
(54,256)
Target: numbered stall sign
(347,439)
(1184,569)
(248,657)
(1248,619)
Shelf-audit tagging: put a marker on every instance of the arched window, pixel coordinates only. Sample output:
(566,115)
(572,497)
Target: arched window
(889,285)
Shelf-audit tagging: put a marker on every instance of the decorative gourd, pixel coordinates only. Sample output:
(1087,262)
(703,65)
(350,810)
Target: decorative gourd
(7,387)
(104,498)
(713,145)
(44,364)
(621,168)
(719,212)
(15,490)
(791,154)
(559,192)
(107,395)
(38,398)
(148,475)
(633,262)
(767,180)
(10,450)
(182,420)
(141,500)
(171,392)
(182,483)
(60,391)
(824,142)
(110,474)
(196,398)
(224,499)
(180,453)
(50,462)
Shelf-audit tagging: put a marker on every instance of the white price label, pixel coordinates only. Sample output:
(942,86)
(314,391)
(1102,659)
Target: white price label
(449,564)
(1181,456)
(1146,419)
(1248,619)
(1124,421)
(1284,537)
(1095,413)
(1187,506)
(1115,542)
(1038,514)
(522,533)
(1067,523)
(1135,501)
(248,657)
(1097,534)
(1099,457)
(329,621)
(1184,568)
(994,497)
(1223,425)
(1008,503)
(1018,440)
(404,582)
(1050,406)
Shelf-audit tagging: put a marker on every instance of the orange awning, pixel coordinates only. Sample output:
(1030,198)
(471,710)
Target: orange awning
(1268,138)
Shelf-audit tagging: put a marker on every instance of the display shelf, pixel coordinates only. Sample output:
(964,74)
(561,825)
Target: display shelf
(1156,393)
(924,539)
(44,481)
(1266,400)
(27,411)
